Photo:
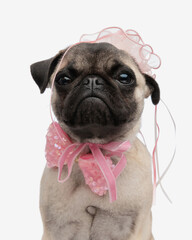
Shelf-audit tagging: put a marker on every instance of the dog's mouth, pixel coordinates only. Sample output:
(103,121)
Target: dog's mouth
(92,118)
(98,116)
(91,111)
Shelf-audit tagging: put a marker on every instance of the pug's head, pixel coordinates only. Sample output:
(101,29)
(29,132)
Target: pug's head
(98,93)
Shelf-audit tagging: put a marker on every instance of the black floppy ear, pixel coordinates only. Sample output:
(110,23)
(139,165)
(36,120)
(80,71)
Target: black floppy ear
(41,71)
(154,89)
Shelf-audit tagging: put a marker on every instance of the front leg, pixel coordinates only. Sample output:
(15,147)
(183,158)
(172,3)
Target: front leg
(110,226)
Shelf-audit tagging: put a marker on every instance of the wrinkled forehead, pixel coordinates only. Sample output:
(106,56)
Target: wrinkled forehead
(97,55)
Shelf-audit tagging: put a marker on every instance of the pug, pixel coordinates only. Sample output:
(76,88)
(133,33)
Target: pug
(98,97)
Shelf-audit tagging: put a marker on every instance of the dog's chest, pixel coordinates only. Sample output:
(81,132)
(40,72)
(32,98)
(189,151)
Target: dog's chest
(75,212)
(72,210)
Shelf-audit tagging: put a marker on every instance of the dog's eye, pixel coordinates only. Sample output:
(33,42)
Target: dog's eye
(125,78)
(63,80)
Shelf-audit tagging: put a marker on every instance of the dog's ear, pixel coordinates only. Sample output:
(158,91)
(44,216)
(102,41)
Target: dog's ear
(153,88)
(41,71)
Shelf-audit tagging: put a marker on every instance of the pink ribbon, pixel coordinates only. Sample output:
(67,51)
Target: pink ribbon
(61,151)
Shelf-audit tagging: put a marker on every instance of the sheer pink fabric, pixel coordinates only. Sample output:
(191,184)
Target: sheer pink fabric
(129,41)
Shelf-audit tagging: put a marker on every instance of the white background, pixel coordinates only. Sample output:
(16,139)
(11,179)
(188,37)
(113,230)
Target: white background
(35,30)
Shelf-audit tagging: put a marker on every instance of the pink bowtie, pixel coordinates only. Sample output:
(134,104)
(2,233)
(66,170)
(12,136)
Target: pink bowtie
(99,172)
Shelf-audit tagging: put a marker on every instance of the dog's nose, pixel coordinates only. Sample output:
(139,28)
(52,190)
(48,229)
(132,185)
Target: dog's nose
(93,82)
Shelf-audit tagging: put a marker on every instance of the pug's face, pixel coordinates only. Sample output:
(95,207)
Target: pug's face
(98,93)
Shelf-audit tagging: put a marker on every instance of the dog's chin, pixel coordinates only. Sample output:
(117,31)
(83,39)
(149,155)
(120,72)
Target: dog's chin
(95,133)
(93,121)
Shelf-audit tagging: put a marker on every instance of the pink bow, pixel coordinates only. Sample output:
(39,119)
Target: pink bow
(98,170)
